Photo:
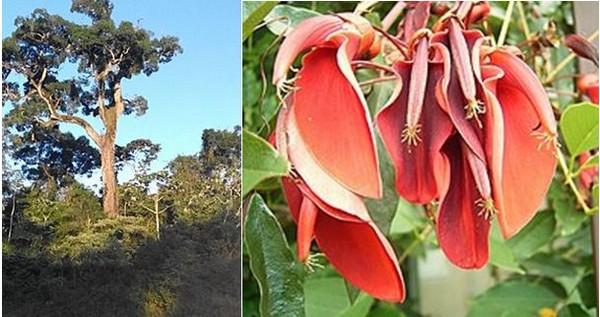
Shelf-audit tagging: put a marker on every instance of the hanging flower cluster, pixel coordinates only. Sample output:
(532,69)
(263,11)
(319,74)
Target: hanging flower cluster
(469,126)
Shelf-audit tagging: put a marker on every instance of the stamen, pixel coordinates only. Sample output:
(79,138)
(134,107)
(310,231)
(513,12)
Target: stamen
(486,208)
(474,108)
(312,262)
(284,87)
(550,140)
(410,135)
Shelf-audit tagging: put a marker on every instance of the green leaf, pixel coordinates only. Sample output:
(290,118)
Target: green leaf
(549,265)
(260,161)
(535,235)
(382,210)
(566,213)
(352,291)
(253,13)
(587,290)
(407,218)
(283,18)
(514,299)
(384,309)
(272,263)
(579,126)
(573,310)
(327,297)
(500,254)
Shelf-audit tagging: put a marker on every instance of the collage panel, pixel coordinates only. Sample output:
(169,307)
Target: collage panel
(121,158)
(420,158)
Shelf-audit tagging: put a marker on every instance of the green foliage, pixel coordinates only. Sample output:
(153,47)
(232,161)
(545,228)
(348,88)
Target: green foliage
(126,232)
(262,163)
(253,13)
(44,95)
(512,299)
(579,127)
(272,263)
(501,255)
(191,271)
(325,297)
(286,17)
(68,210)
(535,235)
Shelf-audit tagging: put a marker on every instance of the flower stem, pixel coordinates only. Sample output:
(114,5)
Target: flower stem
(566,62)
(389,18)
(569,181)
(420,238)
(377,80)
(505,23)
(523,20)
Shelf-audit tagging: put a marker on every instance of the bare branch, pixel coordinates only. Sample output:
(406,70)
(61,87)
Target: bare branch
(54,115)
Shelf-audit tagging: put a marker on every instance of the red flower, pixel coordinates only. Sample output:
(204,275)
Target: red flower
(588,86)
(510,157)
(327,98)
(413,127)
(478,133)
(325,131)
(529,138)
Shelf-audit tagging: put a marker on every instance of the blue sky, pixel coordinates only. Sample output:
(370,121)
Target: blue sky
(199,89)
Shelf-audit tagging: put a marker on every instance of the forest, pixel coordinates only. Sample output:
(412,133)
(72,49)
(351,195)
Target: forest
(161,242)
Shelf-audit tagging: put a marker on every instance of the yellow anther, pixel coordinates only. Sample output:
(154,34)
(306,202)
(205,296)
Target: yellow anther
(410,135)
(487,210)
(474,108)
(312,262)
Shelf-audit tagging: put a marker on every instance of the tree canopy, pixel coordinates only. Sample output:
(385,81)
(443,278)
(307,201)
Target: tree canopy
(45,95)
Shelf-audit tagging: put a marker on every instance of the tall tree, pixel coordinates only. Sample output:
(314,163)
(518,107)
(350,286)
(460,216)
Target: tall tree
(105,54)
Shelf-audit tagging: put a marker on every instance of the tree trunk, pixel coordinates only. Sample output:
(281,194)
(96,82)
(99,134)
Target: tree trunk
(110,199)
(12,214)
(157,217)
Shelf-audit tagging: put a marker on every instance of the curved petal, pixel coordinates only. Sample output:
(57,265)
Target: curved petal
(526,170)
(333,122)
(415,180)
(319,182)
(452,98)
(360,252)
(519,77)
(462,233)
(308,33)
(356,249)
(415,19)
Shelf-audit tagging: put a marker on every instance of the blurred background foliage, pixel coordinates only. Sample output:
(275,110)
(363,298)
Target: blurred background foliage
(548,269)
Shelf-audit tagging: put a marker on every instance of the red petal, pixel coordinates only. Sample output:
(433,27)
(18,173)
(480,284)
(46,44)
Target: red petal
(319,182)
(357,250)
(306,227)
(332,120)
(416,19)
(592,92)
(362,255)
(462,234)
(414,164)
(308,33)
(519,77)
(453,100)
(526,171)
